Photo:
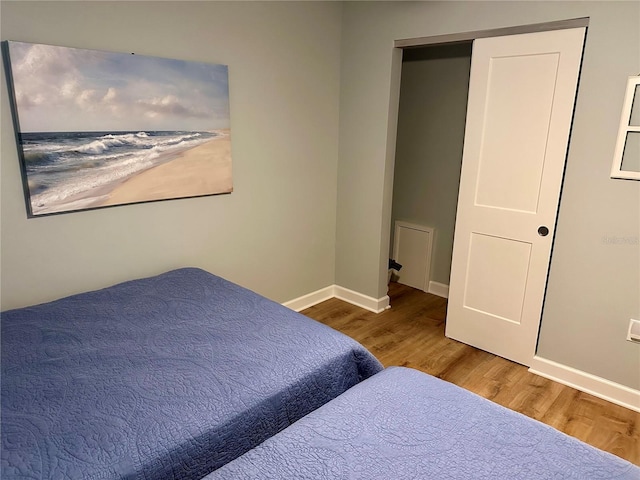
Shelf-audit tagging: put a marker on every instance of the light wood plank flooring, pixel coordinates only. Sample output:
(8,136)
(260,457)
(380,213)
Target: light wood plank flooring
(411,334)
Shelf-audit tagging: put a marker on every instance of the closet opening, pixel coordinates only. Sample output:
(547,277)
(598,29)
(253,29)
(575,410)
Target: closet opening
(434,86)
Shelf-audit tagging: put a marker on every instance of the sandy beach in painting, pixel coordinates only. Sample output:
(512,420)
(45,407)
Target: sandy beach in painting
(71,171)
(202,170)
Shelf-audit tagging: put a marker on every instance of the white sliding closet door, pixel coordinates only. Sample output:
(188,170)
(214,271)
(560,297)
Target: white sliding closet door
(521,97)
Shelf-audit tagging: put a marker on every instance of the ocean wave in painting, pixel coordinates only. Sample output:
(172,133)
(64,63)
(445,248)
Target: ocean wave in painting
(71,170)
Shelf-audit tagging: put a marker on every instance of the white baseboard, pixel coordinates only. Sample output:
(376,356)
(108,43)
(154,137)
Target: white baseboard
(360,300)
(311,299)
(586,382)
(439,289)
(336,291)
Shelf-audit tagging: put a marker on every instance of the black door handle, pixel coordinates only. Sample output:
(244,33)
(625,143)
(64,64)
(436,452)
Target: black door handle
(543,231)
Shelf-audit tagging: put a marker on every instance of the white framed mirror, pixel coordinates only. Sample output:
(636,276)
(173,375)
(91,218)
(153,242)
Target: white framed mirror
(626,158)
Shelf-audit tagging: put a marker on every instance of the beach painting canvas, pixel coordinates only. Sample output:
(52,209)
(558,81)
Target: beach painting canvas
(97,129)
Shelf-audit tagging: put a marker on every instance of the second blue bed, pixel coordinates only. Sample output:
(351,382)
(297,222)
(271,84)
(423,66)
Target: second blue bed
(404,424)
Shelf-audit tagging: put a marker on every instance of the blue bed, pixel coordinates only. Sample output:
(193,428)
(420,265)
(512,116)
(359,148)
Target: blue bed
(168,377)
(404,424)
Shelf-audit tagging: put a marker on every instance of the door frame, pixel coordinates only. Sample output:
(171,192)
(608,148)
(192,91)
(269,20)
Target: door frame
(495,32)
(399,46)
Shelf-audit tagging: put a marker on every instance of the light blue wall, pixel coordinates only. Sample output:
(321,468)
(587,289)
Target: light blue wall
(594,283)
(276,232)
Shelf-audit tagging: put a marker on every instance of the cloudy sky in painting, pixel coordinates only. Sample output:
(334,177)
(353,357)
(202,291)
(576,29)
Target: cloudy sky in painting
(60,89)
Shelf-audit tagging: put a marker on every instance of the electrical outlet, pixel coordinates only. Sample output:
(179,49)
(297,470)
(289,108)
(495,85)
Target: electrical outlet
(633,334)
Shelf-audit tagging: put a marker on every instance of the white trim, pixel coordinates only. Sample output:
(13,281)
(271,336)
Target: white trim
(439,289)
(334,291)
(311,299)
(586,382)
(623,130)
(495,32)
(368,303)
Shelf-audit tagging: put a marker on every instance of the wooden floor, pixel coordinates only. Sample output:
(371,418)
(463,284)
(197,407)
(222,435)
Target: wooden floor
(411,334)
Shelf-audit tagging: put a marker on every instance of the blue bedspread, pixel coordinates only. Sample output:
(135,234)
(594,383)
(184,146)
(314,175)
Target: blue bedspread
(404,424)
(163,378)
